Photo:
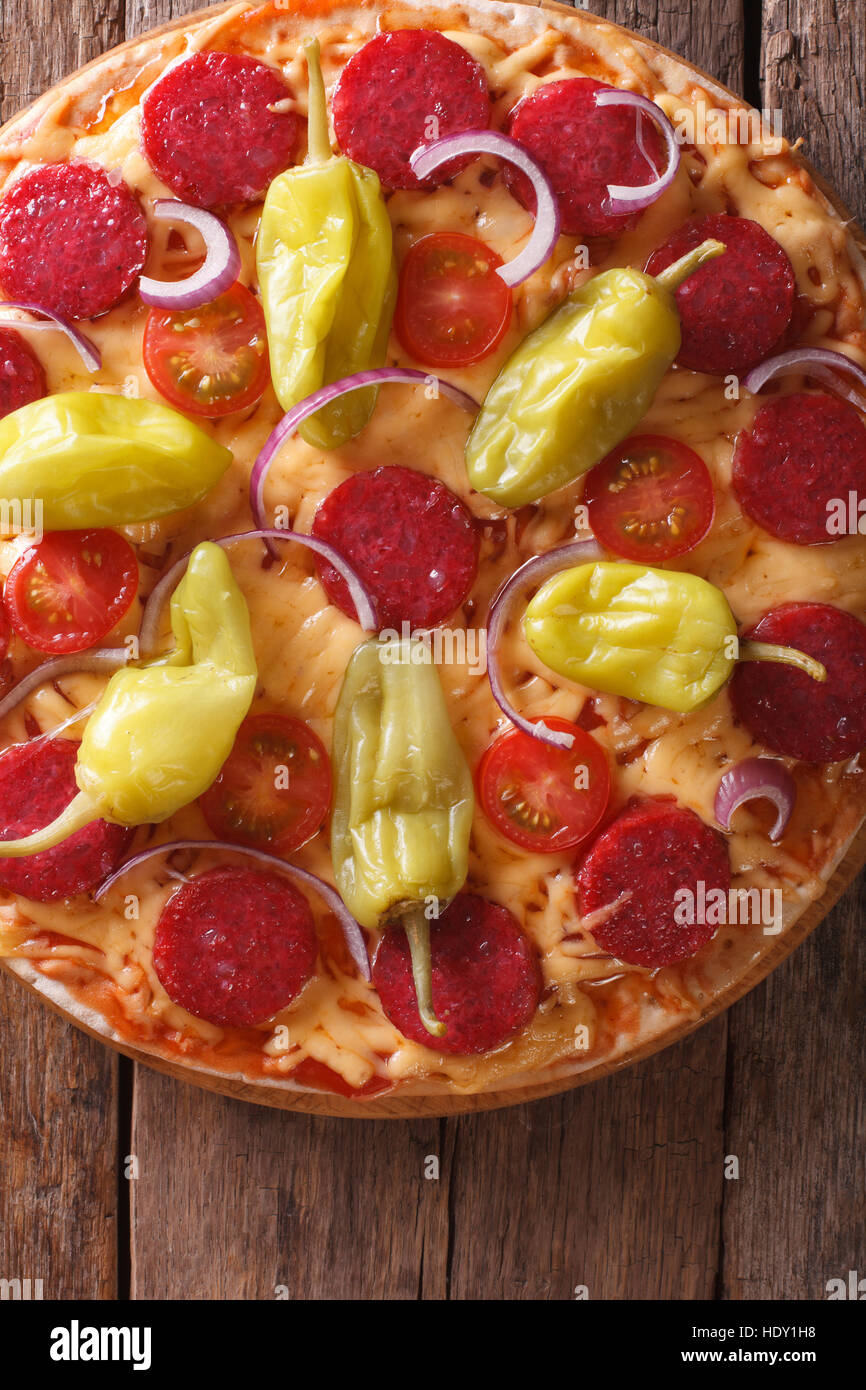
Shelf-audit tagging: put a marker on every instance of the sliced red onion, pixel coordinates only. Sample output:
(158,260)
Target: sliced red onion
(84,346)
(428,158)
(821,363)
(354,937)
(221,267)
(535,571)
(621,197)
(149,629)
(310,404)
(104,659)
(757,779)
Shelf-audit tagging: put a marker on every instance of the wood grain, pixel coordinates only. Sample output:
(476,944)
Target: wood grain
(618,1189)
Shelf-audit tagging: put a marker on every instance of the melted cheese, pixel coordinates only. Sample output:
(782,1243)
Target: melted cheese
(591,1007)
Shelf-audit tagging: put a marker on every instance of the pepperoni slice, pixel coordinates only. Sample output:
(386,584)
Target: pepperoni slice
(37,782)
(208,130)
(412,542)
(735,308)
(582,148)
(789,712)
(22,378)
(652,850)
(486,981)
(802,452)
(234,946)
(404,89)
(72,239)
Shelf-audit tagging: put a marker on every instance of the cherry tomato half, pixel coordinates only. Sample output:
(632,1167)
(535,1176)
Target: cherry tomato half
(274,789)
(212,360)
(452,307)
(651,499)
(541,797)
(69,589)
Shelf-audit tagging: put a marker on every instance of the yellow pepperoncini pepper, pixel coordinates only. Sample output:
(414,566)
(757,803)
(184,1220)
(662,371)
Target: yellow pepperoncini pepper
(403,801)
(579,383)
(660,636)
(93,459)
(160,734)
(325,260)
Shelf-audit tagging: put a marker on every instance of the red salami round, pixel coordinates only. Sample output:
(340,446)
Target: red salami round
(37,782)
(651,851)
(809,448)
(789,712)
(734,309)
(486,981)
(412,542)
(72,239)
(22,378)
(234,946)
(404,89)
(208,128)
(582,148)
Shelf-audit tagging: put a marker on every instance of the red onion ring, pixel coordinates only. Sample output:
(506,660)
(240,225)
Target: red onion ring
(84,346)
(148,629)
(539,568)
(428,158)
(310,404)
(756,779)
(821,363)
(103,659)
(354,937)
(221,267)
(621,197)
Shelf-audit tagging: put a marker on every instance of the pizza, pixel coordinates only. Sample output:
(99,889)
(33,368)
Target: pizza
(432,457)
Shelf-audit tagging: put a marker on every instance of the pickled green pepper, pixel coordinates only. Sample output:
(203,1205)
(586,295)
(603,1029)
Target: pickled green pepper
(94,459)
(326,269)
(579,383)
(403,801)
(160,734)
(664,637)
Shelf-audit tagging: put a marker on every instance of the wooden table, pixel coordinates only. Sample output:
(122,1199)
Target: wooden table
(620,1187)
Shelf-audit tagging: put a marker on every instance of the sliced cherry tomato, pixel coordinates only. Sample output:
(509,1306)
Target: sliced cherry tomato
(5,632)
(452,307)
(71,588)
(540,797)
(274,789)
(651,499)
(209,361)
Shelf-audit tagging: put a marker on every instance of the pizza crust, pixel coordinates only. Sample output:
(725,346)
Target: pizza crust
(47,130)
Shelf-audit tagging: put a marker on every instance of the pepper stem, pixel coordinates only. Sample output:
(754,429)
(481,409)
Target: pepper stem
(318,139)
(680,270)
(80,812)
(417,930)
(788,656)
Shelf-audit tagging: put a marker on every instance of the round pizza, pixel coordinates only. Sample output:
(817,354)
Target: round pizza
(432,473)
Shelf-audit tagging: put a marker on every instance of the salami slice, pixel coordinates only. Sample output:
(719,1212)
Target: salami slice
(403,89)
(486,981)
(734,310)
(582,148)
(235,945)
(209,130)
(412,542)
(802,453)
(789,712)
(72,239)
(22,378)
(650,852)
(37,782)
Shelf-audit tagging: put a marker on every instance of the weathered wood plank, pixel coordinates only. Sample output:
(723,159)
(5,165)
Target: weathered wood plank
(58,1152)
(237,1202)
(41,42)
(814,68)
